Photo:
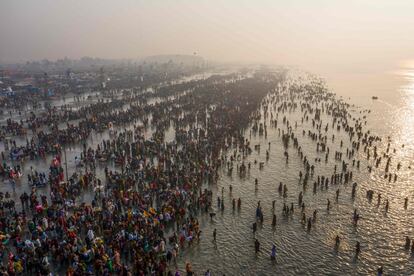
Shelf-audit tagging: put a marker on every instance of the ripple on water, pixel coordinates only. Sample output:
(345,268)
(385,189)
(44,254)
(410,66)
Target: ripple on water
(298,252)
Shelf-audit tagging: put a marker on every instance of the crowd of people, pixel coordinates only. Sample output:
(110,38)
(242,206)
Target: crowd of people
(144,206)
(144,211)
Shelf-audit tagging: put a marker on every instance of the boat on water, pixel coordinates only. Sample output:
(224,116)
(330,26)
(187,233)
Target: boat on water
(374,97)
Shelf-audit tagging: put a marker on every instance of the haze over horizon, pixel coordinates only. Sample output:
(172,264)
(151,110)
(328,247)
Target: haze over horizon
(163,146)
(357,36)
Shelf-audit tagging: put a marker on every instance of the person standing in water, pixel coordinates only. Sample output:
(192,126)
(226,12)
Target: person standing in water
(387,205)
(274,220)
(214,235)
(380,271)
(254,228)
(407,242)
(273,253)
(357,249)
(257,246)
(337,241)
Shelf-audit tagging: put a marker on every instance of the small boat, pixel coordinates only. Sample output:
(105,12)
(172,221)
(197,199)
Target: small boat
(374,97)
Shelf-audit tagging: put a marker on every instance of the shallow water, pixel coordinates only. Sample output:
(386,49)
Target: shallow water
(300,252)
(381,235)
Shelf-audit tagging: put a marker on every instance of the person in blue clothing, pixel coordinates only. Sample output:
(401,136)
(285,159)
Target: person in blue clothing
(380,271)
(273,253)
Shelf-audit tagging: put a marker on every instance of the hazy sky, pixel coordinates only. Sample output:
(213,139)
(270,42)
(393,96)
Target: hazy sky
(345,35)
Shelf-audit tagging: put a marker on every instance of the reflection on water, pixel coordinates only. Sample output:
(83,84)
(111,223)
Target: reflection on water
(405,118)
(381,235)
(299,252)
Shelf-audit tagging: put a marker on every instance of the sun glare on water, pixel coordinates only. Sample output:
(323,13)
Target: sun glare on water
(404,129)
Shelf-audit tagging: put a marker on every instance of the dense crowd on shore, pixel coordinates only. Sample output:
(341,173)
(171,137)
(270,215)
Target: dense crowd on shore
(141,216)
(145,211)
